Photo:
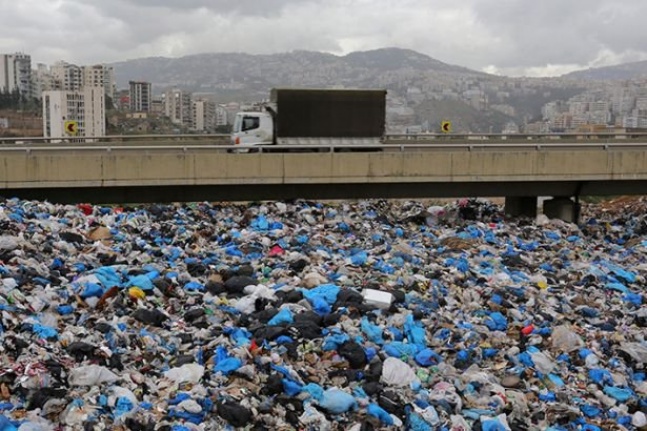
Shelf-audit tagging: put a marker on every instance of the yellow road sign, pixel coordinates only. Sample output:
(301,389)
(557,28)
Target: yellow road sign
(446,126)
(71,128)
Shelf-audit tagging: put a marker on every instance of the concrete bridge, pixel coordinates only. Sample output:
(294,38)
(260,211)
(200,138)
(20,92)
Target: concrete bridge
(197,170)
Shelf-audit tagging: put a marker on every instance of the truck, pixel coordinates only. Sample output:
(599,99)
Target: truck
(313,117)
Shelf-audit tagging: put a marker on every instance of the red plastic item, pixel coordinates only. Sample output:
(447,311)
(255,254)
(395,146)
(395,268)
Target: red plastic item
(527,330)
(86,209)
(276,251)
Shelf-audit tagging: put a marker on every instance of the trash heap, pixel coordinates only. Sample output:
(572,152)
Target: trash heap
(310,316)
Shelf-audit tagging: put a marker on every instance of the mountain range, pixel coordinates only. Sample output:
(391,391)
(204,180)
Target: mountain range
(226,72)
(411,78)
(626,71)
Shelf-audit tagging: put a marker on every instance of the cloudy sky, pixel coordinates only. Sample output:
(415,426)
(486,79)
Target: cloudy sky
(508,37)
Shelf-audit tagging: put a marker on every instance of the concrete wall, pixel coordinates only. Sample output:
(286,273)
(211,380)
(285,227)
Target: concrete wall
(24,167)
(438,172)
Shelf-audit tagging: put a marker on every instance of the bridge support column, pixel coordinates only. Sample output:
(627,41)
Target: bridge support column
(562,208)
(521,206)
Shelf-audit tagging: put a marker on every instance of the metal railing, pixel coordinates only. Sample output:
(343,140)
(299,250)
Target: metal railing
(323,149)
(392,142)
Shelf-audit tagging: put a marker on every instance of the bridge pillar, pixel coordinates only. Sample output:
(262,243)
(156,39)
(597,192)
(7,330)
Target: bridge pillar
(562,208)
(521,206)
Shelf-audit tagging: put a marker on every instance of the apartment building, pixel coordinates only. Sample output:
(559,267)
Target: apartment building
(85,107)
(204,115)
(15,74)
(140,96)
(178,107)
(70,77)
(221,116)
(65,76)
(99,75)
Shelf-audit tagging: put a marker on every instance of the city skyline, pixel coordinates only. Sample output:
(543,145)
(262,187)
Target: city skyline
(512,38)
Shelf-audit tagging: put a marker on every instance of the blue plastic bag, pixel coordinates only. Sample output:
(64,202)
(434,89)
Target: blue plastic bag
(337,401)
(284,316)
(124,405)
(142,281)
(372,332)
(64,310)
(496,322)
(193,286)
(315,391)
(334,341)
(492,425)
(600,376)
(6,425)
(44,331)
(400,350)
(428,357)
(91,290)
(416,334)
(291,388)
(359,259)
(320,305)
(415,422)
(228,365)
(329,293)
(619,394)
(378,412)
(108,277)
(224,363)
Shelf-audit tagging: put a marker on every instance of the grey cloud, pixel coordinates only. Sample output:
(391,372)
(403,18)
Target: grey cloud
(544,32)
(219,7)
(505,35)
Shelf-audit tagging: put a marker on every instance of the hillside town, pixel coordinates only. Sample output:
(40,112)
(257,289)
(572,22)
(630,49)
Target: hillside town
(63,99)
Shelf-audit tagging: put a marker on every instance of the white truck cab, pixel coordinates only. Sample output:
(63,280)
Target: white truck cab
(252,129)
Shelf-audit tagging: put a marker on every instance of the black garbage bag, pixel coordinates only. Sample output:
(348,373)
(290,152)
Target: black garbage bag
(269,333)
(150,317)
(372,388)
(392,403)
(273,385)
(81,350)
(265,315)
(309,316)
(194,314)
(215,287)
(233,413)
(72,237)
(307,329)
(238,283)
(290,297)
(354,354)
(348,297)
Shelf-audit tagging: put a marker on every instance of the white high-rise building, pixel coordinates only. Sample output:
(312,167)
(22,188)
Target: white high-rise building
(15,74)
(204,115)
(85,107)
(221,115)
(70,77)
(99,75)
(177,106)
(66,76)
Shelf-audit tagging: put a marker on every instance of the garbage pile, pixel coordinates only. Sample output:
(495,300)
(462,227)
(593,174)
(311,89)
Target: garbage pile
(311,316)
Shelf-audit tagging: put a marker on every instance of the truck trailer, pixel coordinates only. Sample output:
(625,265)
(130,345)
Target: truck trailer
(314,117)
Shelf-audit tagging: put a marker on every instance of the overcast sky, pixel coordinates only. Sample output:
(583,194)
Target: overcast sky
(508,37)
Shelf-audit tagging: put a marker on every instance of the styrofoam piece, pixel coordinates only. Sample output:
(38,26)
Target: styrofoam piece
(378,298)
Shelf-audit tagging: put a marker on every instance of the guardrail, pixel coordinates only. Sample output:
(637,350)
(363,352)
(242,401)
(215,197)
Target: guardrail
(332,148)
(224,139)
(114,138)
